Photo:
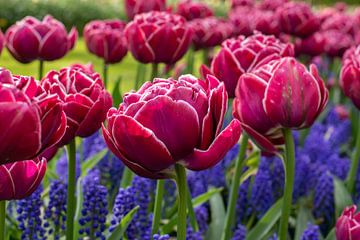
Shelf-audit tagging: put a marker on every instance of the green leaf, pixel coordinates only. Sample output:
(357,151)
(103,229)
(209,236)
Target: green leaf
(266,222)
(79,204)
(201,199)
(331,235)
(91,162)
(116,93)
(217,217)
(121,228)
(341,195)
(304,217)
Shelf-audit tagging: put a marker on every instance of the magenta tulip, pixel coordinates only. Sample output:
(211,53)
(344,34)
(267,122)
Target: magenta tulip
(168,122)
(158,37)
(336,42)
(348,225)
(242,3)
(106,39)
(281,94)
(191,10)
(133,7)
(340,22)
(266,22)
(20,179)
(271,5)
(298,19)
(311,46)
(350,75)
(210,32)
(31,39)
(84,98)
(241,55)
(242,21)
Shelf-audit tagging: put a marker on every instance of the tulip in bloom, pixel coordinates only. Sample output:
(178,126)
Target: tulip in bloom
(266,22)
(31,39)
(348,225)
(350,75)
(210,32)
(340,22)
(297,18)
(158,37)
(192,10)
(336,42)
(106,39)
(20,179)
(133,7)
(168,122)
(271,5)
(241,55)
(312,46)
(281,94)
(241,19)
(242,3)
(84,98)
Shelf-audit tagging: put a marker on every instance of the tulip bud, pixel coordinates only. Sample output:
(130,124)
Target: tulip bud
(348,224)
(133,7)
(193,10)
(242,3)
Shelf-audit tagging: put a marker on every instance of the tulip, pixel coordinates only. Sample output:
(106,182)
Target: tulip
(312,45)
(84,99)
(266,22)
(192,10)
(271,5)
(2,41)
(347,226)
(209,32)
(46,40)
(297,18)
(336,42)
(20,179)
(242,20)
(340,22)
(158,37)
(133,7)
(242,3)
(242,55)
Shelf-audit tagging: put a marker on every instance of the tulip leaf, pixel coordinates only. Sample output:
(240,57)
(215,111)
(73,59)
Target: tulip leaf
(303,218)
(91,162)
(79,204)
(266,222)
(331,235)
(341,195)
(218,215)
(116,93)
(121,228)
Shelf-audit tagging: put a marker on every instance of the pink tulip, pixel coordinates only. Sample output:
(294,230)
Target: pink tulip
(31,39)
(20,179)
(168,122)
(106,39)
(133,7)
(192,10)
(271,5)
(348,225)
(242,3)
(340,22)
(266,22)
(336,42)
(241,19)
(281,94)
(312,45)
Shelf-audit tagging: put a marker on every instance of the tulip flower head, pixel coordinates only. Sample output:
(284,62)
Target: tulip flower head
(281,94)
(133,7)
(170,122)
(20,179)
(47,40)
(242,3)
(192,10)
(85,101)
(106,39)
(348,225)
(158,37)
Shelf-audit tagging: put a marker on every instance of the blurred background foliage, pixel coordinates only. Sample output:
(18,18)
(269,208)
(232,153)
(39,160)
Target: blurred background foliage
(79,12)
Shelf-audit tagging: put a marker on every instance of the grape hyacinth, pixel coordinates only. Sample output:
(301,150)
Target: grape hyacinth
(240,233)
(161,237)
(62,167)
(124,203)
(311,233)
(29,216)
(243,204)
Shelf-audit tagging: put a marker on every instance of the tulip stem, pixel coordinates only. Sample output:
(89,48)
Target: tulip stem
(181,185)
(190,61)
(154,71)
(140,72)
(157,207)
(354,160)
(2,219)
(289,182)
(206,56)
(234,191)
(71,199)
(126,178)
(41,69)
(105,73)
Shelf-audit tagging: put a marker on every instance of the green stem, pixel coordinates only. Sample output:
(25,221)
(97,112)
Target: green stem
(192,216)
(105,74)
(181,185)
(157,207)
(41,69)
(71,199)
(230,212)
(190,61)
(154,71)
(354,160)
(139,75)
(126,178)
(206,56)
(289,183)
(2,219)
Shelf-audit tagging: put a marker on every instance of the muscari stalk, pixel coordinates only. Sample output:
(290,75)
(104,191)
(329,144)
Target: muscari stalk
(354,159)
(289,165)
(182,191)
(2,219)
(71,199)
(157,207)
(235,184)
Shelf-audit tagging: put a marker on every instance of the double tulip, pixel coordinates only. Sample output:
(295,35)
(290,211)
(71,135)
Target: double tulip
(192,10)
(242,55)
(348,225)
(106,39)
(312,45)
(336,42)
(20,179)
(266,22)
(133,7)
(168,122)
(85,101)
(242,21)
(242,3)
(47,40)
(32,120)
(158,37)
(350,75)
(271,5)
(281,94)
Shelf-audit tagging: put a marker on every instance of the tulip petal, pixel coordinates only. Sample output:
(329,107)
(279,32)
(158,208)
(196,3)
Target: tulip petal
(56,37)
(25,44)
(261,141)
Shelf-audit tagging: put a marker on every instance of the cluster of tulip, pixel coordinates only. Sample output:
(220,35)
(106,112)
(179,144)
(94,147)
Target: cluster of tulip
(169,125)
